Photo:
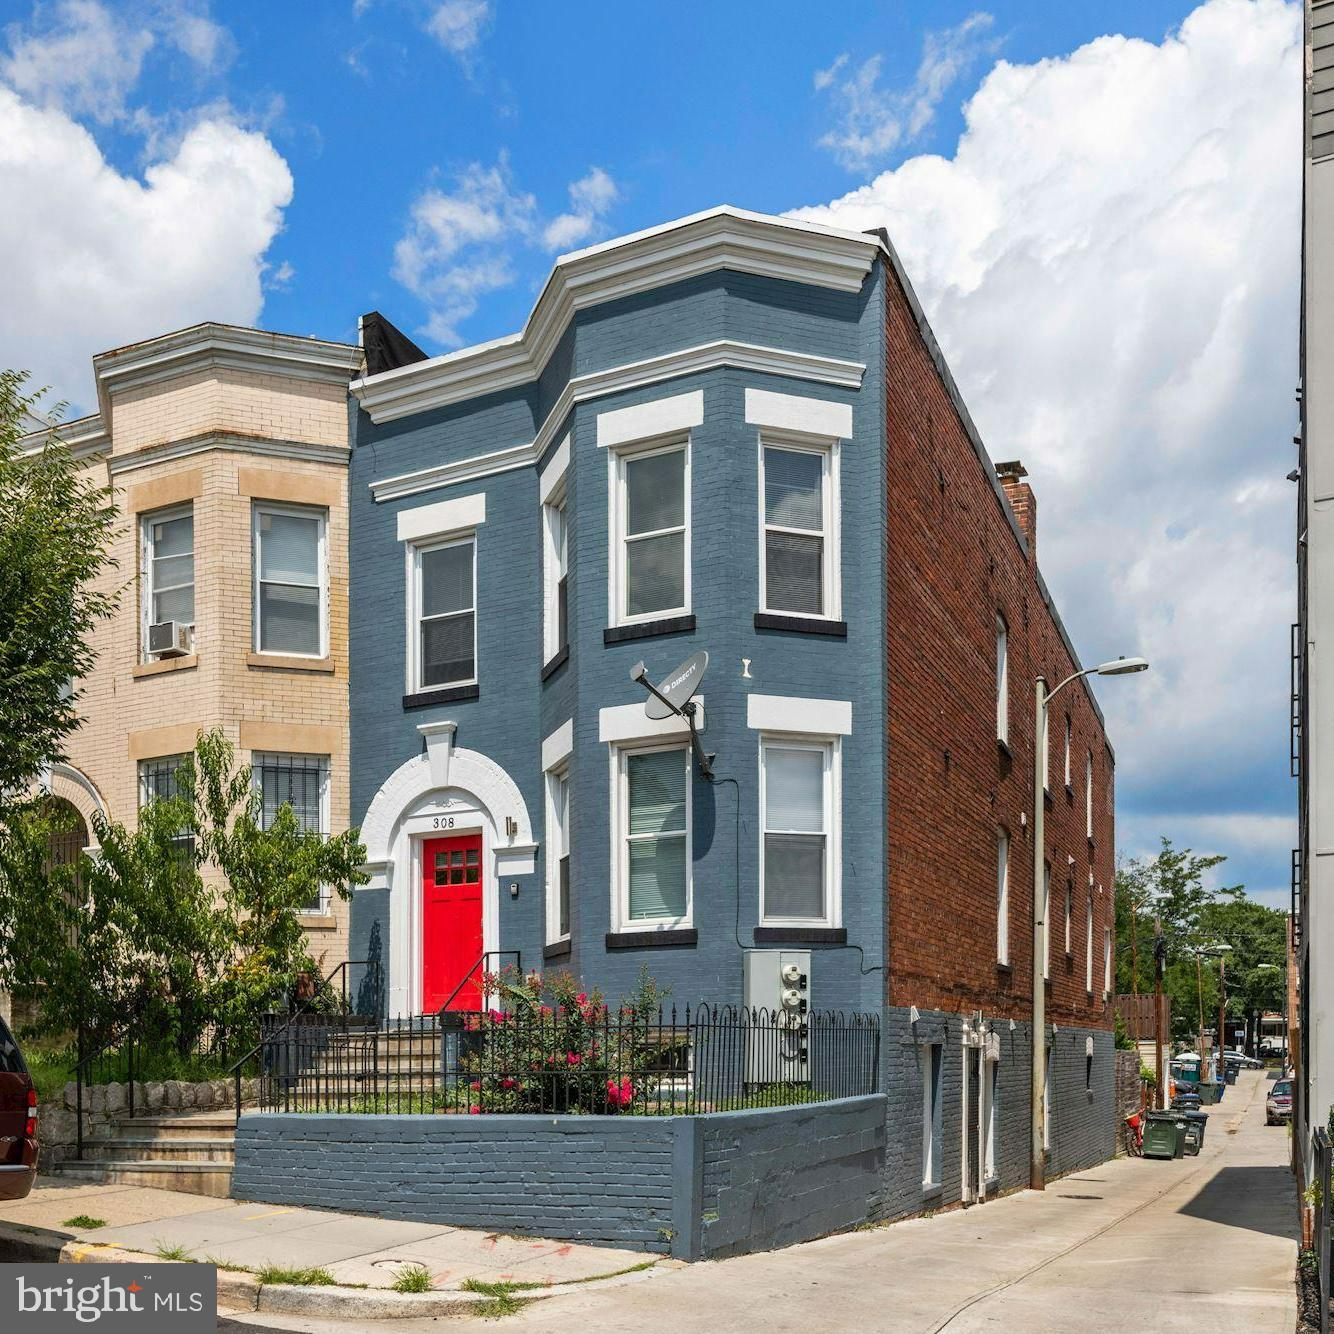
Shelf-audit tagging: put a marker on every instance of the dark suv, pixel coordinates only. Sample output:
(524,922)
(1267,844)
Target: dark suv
(18,1121)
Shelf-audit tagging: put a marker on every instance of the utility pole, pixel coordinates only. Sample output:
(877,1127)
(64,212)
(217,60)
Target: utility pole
(1159,1039)
(1037,1145)
(1199,996)
(1222,1015)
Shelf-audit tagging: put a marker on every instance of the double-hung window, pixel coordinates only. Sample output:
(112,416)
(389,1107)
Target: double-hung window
(167,541)
(653,853)
(652,533)
(1002,897)
(1002,680)
(1069,911)
(798,572)
(1088,795)
(301,782)
(1107,961)
(1067,769)
(444,614)
(800,854)
(558,855)
(556,577)
(291,581)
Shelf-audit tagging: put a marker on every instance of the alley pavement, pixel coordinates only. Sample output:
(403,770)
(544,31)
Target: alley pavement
(1205,1243)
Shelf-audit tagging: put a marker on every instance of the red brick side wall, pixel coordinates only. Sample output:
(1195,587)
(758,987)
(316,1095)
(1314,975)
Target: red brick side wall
(953,563)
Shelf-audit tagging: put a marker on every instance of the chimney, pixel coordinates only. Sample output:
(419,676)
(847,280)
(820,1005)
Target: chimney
(1022,501)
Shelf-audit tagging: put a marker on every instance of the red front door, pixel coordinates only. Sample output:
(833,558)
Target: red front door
(451,922)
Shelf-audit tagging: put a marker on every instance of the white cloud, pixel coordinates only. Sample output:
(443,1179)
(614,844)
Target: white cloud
(1110,260)
(86,59)
(875,120)
(91,257)
(458,25)
(460,243)
(590,198)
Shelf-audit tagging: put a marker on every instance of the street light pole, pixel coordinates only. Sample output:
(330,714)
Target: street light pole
(1037,1155)
(1222,1015)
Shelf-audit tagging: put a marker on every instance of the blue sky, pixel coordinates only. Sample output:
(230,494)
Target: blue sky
(1100,215)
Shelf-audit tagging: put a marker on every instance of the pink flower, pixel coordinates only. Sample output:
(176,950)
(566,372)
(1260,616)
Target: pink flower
(476,1084)
(475,1110)
(496,1016)
(546,1010)
(581,998)
(507,1083)
(572,1058)
(621,1095)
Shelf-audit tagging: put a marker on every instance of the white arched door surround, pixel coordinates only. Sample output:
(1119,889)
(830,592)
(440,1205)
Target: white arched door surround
(446,790)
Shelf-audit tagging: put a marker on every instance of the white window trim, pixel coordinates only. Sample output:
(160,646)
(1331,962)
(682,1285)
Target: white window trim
(827,451)
(620,858)
(617,459)
(413,552)
(932,1118)
(799,715)
(1002,679)
(1106,961)
(1069,911)
(146,522)
(1088,944)
(831,751)
(424,523)
(257,757)
(552,508)
(1002,897)
(556,849)
(1067,750)
(258,509)
(1088,795)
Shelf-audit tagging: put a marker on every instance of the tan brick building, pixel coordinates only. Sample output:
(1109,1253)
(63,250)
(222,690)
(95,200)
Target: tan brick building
(228,449)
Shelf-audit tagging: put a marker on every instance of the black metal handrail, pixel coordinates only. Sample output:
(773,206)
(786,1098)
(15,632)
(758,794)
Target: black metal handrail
(340,969)
(81,1070)
(481,963)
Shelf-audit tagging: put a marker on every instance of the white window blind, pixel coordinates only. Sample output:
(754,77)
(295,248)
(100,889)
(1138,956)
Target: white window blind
(795,853)
(794,531)
(657,874)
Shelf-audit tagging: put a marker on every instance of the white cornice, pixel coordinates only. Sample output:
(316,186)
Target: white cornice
(84,437)
(723,238)
(617,379)
(211,346)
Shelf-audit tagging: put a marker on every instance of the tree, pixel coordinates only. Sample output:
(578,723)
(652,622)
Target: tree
(140,932)
(1170,889)
(55,529)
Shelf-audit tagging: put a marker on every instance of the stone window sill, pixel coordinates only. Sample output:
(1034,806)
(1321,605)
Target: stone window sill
(317,921)
(634,940)
(160,666)
(446,695)
(801,935)
(558,949)
(801,625)
(556,662)
(289,662)
(668,625)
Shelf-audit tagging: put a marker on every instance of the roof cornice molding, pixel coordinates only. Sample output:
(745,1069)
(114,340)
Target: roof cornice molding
(723,238)
(214,346)
(618,379)
(84,437)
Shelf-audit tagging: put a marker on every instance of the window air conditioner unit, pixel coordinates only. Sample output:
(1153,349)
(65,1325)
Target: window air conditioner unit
(168,639)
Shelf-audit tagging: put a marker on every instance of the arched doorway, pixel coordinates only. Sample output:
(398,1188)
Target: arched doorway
(69,837)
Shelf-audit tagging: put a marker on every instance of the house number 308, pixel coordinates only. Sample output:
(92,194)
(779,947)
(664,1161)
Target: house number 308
(443,822)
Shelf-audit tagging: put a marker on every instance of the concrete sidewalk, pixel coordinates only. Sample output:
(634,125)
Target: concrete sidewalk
(354,1249)
(1205,1243)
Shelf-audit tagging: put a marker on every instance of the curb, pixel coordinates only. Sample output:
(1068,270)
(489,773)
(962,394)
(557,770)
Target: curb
(240,1291)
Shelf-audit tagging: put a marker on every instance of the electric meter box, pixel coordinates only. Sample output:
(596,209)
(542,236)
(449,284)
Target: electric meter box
(778,981)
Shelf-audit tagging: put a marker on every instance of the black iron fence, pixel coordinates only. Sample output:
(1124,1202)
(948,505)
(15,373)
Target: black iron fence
(573,1059)
(1323,1159)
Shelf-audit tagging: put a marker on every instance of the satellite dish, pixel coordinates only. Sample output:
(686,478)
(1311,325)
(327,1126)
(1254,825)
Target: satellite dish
(669,696)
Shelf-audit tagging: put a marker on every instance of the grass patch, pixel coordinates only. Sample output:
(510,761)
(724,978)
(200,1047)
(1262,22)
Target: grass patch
(500,1298)
(226,1264)
(84,1222)
(174,1253)
(413,1278)
(316,1277)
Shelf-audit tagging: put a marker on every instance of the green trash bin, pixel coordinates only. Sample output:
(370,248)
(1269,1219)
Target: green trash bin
(1164,1135)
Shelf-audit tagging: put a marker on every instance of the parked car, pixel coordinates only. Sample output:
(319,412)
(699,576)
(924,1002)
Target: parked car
(1278,1106)
(18,1120)
(1240,1059)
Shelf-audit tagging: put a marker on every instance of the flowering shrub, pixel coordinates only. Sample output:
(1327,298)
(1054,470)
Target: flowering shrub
(547,1044)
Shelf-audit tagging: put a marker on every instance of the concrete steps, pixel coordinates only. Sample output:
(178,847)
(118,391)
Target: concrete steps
(192,1153)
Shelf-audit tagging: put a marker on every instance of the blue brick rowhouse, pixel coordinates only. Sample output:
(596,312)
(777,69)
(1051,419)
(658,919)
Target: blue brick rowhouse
(732,433)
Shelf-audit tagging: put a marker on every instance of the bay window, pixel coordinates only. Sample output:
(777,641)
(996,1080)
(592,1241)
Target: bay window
(799,855)
(653,841)
(443,614)
(798,569)
(290,581)
(651,560)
